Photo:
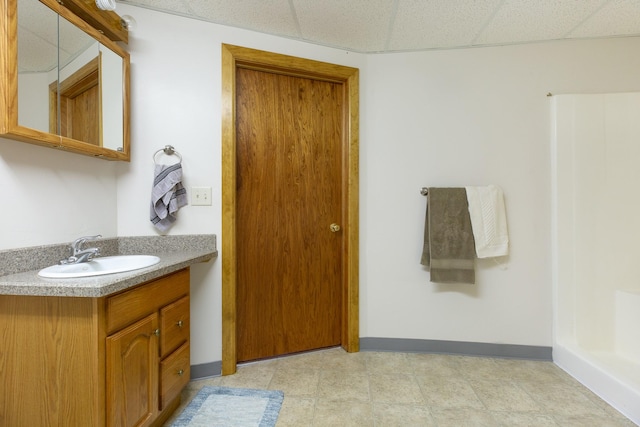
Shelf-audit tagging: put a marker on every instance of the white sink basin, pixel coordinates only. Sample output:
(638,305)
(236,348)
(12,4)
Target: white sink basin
(99,266)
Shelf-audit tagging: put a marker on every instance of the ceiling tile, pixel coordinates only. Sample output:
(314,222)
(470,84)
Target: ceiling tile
(519,21)
(37,37)
(38,19)
(405,25)
(616,18)
(174,6)
(360,25)
(439,23)
(268,16)
(36,55)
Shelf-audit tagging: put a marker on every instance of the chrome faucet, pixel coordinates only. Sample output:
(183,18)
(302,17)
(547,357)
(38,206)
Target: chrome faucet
(78,255)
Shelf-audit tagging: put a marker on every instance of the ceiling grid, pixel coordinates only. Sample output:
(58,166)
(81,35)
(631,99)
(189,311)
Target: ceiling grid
(377,26)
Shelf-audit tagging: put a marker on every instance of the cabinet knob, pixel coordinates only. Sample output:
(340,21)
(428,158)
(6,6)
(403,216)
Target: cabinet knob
(180,372)
(156,332)
(179,324)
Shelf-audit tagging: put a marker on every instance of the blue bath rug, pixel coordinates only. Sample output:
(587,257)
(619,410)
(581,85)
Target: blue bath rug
(231,407)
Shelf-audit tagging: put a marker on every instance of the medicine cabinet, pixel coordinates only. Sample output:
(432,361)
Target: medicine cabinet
(63,83)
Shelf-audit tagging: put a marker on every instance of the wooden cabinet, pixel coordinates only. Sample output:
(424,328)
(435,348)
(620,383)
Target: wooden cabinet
(132,374)
(120,360)
(147,350)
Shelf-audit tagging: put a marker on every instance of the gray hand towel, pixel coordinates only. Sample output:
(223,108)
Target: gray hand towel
(448,248)
(167,196)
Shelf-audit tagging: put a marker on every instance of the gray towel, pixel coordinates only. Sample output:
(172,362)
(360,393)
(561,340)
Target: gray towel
(167,196)
(449,248)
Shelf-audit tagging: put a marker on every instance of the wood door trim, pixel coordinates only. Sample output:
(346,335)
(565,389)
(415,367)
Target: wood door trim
(234,57)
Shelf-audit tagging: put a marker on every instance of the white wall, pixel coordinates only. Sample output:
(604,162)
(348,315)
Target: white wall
(469,117)
(52,196)
(441,118)
(111,81)
(33,100)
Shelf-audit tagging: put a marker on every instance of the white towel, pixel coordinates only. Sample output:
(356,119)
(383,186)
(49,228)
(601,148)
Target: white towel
(488,220)
(167,196)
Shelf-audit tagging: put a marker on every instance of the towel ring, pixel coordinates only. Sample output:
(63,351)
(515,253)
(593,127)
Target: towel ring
(169,151)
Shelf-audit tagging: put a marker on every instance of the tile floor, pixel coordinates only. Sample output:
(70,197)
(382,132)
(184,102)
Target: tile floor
(335,388)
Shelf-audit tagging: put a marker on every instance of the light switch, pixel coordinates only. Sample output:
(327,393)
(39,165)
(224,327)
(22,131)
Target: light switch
(201,196)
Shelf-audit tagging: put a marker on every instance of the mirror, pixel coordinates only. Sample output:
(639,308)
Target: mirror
(37,63)
(72,82)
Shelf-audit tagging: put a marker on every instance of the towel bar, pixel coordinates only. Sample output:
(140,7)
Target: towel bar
(424,191)
(169,151)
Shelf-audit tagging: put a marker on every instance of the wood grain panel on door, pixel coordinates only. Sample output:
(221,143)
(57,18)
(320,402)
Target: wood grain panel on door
(288,175)
(289,139)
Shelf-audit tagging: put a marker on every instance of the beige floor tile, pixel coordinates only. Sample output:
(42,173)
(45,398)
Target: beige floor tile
(521,419)
(432,364)
(463,417)
(561,399)
(448,392)
(593,421)
(343,361)
(296,412)
(479,368)
(311,360)
(198,384)
(396,415)
(334,388)
(395,388)
(387,362)
(295,382)
(334,413)
(504,396)
(256,375)
(343,385)
(530,370)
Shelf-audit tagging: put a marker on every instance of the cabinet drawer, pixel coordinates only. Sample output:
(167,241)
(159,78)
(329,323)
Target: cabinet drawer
(175,372)
(129,306)
(174,325)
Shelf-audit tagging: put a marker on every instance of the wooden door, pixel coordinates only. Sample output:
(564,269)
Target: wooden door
(236,59)
(289,180)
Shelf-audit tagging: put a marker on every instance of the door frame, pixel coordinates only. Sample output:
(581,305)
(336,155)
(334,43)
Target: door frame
(234,57)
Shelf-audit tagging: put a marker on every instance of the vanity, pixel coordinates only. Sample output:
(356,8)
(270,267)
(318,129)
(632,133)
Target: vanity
(109,350)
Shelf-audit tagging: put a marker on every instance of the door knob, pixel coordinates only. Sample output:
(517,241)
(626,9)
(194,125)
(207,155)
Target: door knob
(334,228)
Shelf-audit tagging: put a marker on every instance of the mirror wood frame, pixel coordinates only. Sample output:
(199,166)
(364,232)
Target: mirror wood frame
(9,127)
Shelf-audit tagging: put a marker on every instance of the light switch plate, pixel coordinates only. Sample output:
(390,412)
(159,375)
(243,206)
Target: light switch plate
(201,196)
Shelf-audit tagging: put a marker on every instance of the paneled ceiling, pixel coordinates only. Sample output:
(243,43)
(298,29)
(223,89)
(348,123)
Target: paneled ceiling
(373,26)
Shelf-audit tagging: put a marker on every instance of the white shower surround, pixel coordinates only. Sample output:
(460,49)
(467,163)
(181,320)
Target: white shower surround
(596,234)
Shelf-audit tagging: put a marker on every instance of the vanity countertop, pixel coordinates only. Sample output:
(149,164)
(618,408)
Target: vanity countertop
(174,254)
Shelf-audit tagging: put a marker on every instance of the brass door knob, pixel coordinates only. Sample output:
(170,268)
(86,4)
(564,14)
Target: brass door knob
(334,228)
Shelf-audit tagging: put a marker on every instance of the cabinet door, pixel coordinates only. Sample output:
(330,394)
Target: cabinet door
(132,374)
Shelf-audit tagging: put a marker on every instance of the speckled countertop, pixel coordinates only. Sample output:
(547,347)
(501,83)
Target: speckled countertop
(19,268)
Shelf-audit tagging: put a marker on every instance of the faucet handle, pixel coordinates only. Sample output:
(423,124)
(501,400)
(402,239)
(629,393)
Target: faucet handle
(77,244)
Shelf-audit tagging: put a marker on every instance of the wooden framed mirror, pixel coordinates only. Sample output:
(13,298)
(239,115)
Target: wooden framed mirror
(63,84)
